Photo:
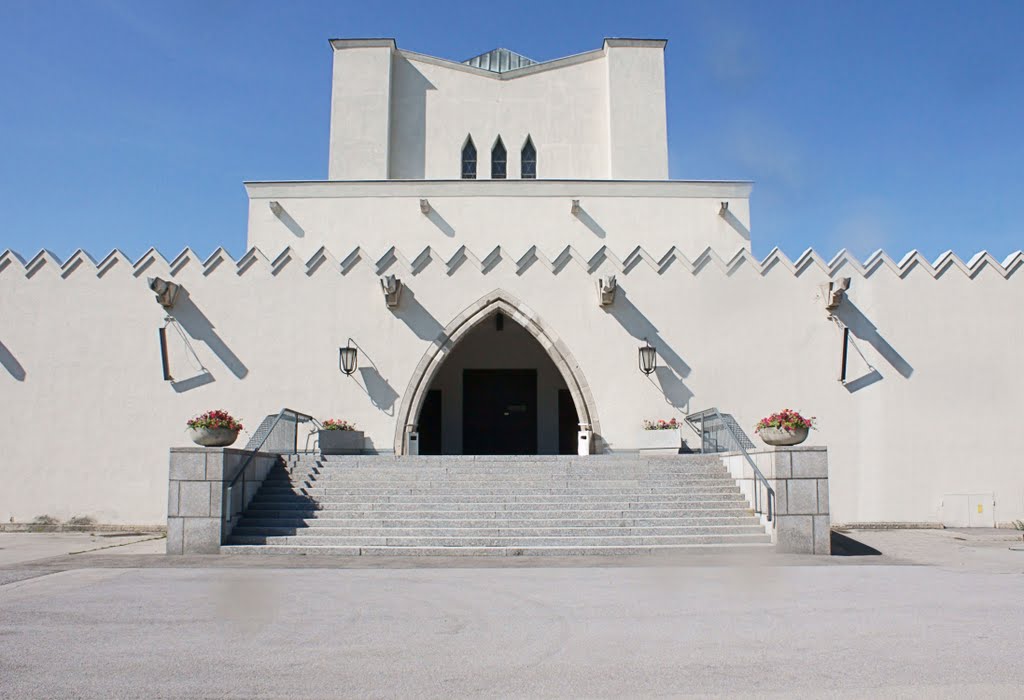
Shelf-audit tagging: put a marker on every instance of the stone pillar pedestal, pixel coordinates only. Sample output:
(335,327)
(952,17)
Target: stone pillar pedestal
(799,476)
(197,495)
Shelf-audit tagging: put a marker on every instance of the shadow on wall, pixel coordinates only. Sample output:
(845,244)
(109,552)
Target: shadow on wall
(194,382)
(199,328)
(409,121)
(736,224)
(637,325)
(440,222)
(676,393)
(861,328)
(285,218)
(381,393)
(589,222)
(419,320)
(11,364)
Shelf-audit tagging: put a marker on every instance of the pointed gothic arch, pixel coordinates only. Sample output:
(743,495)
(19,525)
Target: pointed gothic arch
(478,312)
(468,159)
(499,160)
(528,160)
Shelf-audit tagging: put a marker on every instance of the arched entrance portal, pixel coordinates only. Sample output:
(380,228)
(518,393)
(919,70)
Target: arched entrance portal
(497,380)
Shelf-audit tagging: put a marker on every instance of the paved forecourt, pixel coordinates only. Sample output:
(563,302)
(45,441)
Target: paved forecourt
(104,625)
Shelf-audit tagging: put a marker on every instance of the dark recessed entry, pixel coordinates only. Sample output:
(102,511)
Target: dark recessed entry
(499,412)
(430,423)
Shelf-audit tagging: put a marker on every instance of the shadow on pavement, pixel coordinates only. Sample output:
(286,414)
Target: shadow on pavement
(843,546)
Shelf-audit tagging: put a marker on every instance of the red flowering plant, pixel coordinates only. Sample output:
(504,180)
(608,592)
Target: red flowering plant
(786,419)
(661,424)
(214,420)
(337,424)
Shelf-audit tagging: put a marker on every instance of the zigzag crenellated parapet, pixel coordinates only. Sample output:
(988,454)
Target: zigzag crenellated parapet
(842,264)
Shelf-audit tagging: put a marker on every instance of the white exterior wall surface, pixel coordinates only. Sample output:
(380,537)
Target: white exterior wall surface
(88,419)
(360,111)
(637,131)
(435,107)
(929,411)
(402,115)
(515,215)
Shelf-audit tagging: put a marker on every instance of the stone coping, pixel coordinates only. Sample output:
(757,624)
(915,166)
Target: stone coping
(776,448)
(573,189)
(198,449)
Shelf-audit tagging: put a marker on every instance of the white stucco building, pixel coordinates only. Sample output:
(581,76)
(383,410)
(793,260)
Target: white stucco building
(500,193)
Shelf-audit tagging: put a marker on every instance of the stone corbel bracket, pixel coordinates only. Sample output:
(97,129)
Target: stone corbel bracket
(166,292)
(606,287)
(833,293)
(392,287)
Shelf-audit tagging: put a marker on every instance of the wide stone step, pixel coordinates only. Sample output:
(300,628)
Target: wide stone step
(552,551)
(589,460)
(748,528)
(576,506)
(567,498)
(694,510)
(319,492)
(510,518)
(512,468)
(341,481)
(469,541)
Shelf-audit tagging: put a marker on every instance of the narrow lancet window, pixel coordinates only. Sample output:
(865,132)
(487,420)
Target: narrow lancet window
(469,160)
(499,161)
(528,171)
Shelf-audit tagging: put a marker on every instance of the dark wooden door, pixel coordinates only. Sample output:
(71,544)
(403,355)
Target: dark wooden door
(499,411)
(568,424)
(430,423)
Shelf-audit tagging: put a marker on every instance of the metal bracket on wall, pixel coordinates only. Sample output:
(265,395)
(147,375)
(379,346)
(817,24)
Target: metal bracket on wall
(164,359)
(848,342)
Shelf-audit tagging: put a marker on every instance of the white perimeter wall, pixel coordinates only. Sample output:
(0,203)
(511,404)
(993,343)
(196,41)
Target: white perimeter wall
(88,420)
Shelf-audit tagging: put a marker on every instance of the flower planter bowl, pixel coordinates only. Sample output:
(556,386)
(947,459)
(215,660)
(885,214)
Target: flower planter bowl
(213,437)
(665,442)
(780,437)
(341,442)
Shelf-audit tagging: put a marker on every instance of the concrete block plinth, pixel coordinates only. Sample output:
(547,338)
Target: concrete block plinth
(799,477)
(200,503)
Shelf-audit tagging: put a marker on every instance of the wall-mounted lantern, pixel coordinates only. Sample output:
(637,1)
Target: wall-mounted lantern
(392,287)
(723,210)
(348,359)
(276,208)
(606,287)
(424,207)
(166,292)
(648,358)
(575,208)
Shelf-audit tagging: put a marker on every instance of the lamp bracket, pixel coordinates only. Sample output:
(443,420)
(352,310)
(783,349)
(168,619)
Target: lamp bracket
(166,292)
(392,287)
(606,287)
(833,293)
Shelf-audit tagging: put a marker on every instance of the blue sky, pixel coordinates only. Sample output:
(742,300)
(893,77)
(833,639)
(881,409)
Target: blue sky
(130,123)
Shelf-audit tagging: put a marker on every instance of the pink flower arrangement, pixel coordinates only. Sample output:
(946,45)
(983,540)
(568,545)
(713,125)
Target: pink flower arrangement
(214,420)
(338,424)
(661,424)
(787,419)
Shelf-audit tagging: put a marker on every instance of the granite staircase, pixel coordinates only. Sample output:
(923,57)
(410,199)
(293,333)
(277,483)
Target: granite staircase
(607,504)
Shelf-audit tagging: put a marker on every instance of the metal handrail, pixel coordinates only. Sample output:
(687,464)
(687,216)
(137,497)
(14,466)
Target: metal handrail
(299,418)
(714,414)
